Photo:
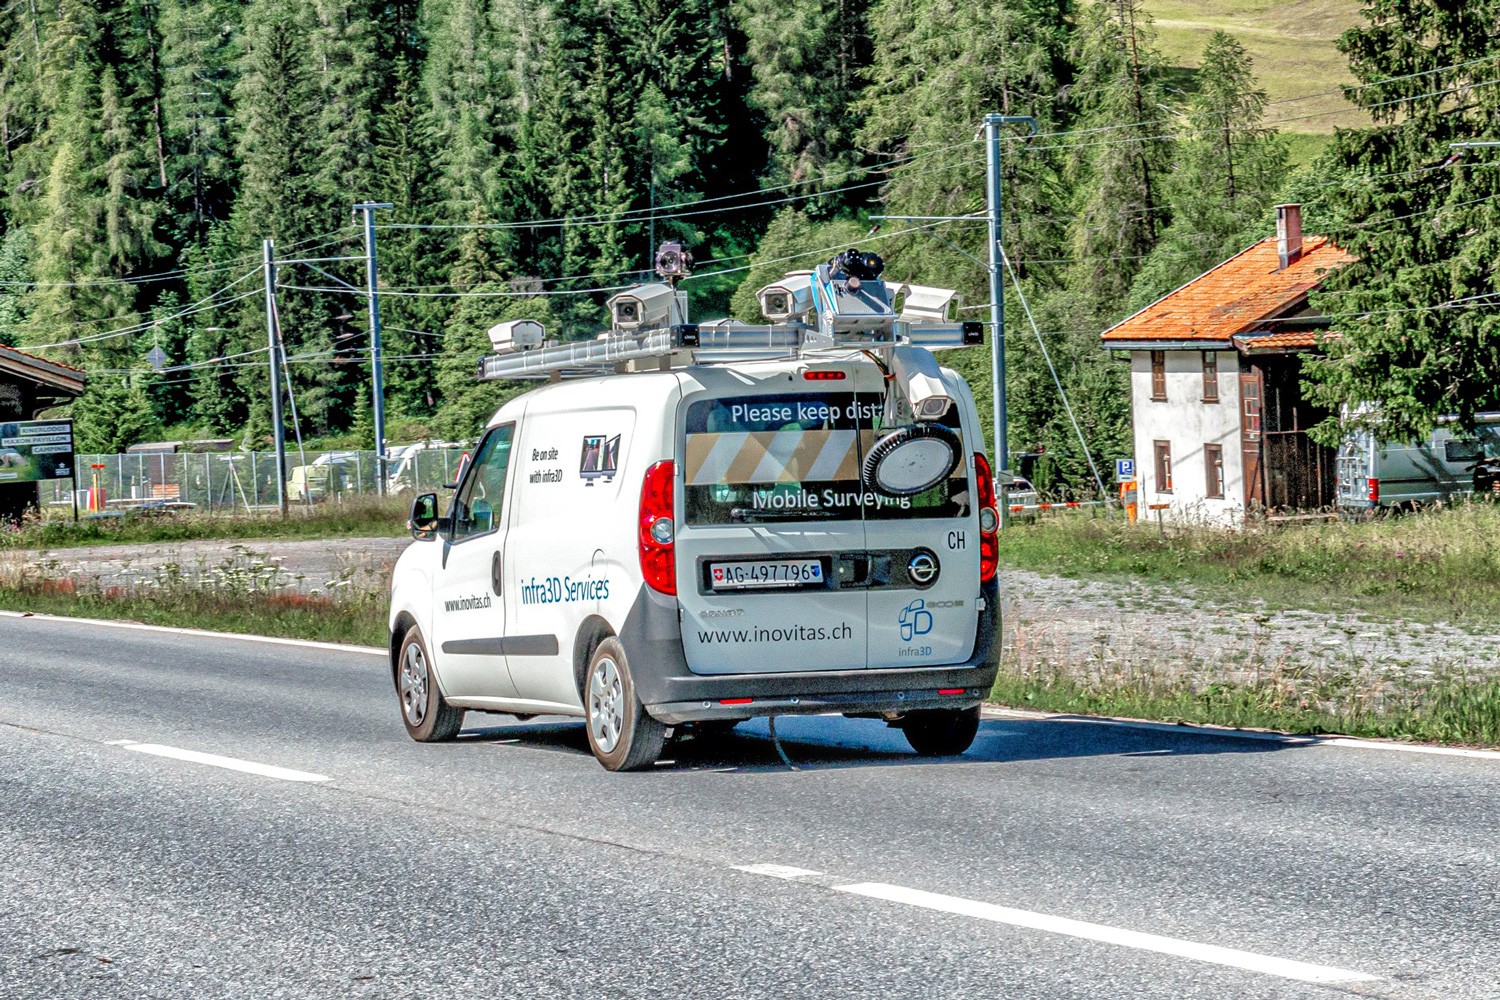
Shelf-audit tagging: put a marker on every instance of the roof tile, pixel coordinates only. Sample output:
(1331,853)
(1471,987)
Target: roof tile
(1232,298)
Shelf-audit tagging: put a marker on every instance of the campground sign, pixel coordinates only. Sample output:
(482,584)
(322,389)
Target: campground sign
(34,450)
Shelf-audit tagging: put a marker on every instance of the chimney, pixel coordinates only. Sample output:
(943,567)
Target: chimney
(1288,233)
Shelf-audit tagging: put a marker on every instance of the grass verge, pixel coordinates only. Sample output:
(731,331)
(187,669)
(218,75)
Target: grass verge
(1433,565)
(1443,708)
(363,517)
(359,620)
(245,593)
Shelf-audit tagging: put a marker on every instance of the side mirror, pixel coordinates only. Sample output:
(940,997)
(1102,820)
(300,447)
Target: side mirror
(423,522)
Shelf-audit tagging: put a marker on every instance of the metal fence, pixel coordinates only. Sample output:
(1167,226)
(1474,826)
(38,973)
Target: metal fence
(246,480)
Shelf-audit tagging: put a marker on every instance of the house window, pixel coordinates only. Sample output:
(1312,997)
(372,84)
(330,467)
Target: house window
(1159,375)
(1213,471)
(1164,467)
(1210,377)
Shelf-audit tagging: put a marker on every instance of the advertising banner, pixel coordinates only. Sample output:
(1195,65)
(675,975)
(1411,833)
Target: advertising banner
(34,450)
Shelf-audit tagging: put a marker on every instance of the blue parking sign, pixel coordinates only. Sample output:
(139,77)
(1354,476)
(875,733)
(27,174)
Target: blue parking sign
(1124,468)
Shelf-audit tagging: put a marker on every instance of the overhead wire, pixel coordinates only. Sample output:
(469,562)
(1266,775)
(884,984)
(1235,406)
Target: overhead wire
(626,216)
(205,304)
(1047,356)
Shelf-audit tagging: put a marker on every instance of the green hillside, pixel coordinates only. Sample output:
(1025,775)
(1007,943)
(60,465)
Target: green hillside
(1292,43)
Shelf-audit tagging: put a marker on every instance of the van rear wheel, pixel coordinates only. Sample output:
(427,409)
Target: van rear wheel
(941,732)
(621,733)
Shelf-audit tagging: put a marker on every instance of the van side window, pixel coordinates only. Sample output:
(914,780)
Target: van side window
(1463,451)
(476,509)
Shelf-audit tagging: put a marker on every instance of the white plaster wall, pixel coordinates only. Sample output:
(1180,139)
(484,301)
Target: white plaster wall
(1188,423)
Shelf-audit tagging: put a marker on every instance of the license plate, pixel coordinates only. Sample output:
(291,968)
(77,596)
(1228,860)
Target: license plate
(766,573)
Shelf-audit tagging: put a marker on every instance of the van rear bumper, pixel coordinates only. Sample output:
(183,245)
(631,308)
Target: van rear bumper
(673,694)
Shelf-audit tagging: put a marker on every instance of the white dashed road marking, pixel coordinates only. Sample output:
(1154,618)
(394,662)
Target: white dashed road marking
(1232,957)
(229,763)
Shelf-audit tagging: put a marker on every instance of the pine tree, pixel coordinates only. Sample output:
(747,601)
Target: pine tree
(468,402)
(469,88)
(137,60)
(282,196)
(605,186)
(199,73)
(15,273)
(806,59)
(112,414)
(931,87)
(663,150)
(215,399)
(404,177)
(1229,170)
(129,211)
(1120,206)
(1415,336)
(351,78)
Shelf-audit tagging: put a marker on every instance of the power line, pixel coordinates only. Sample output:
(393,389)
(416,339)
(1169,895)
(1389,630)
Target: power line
(626,216)
(143,279)
(202,305)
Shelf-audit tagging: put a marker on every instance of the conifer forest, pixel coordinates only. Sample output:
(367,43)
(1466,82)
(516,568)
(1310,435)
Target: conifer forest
(535,152)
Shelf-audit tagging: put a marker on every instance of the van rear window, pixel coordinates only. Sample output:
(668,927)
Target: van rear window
(798,457)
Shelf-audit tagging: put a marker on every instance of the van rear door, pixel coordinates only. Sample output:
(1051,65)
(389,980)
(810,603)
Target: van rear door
(788,560)
(771,551)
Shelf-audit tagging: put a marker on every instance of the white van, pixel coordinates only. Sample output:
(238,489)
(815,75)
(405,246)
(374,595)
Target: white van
(705,544)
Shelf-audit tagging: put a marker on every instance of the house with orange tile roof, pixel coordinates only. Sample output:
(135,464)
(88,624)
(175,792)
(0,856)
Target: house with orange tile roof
(29,385)
(1219,417)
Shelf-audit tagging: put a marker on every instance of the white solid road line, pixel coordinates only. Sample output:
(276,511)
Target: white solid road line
(168,630)
(214,760)
(1232,957)
(1344,742)
(788,872)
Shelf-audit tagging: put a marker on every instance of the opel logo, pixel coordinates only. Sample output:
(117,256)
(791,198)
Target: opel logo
(922,568)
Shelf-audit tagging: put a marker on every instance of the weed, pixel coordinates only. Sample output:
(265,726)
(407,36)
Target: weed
(244,592)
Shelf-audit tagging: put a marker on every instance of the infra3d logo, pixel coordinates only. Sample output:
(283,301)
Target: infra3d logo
(915,620)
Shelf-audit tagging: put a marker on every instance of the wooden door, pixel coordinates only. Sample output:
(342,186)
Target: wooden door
(1250,437)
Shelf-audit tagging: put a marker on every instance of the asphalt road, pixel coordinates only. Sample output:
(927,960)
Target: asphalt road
(1056,859)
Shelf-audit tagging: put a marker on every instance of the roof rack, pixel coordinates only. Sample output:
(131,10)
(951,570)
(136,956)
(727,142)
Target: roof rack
(850,310)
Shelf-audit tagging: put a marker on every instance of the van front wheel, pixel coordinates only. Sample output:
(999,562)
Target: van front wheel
(424,711)
(621,734)
(941,732)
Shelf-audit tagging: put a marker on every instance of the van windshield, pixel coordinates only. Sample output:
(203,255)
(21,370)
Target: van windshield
(798,457)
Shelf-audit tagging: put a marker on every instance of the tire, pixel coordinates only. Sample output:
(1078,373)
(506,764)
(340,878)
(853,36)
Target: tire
(424,711)
(621,734)
(942,732)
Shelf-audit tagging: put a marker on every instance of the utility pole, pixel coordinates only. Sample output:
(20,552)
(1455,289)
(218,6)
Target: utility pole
(992,125)
(273,339)
(377,373)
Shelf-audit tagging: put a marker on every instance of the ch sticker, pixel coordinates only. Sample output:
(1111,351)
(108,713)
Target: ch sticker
(915,620)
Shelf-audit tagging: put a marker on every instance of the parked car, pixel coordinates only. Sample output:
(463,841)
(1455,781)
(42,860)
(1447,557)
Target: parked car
(1021,493)
(327,475)
(1375,475)
(421,466)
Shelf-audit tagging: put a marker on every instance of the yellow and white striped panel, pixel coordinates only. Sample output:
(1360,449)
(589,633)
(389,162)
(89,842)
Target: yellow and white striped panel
(787,456)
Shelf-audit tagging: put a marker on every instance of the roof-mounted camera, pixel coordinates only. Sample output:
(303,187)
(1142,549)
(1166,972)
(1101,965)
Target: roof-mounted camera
(672,262)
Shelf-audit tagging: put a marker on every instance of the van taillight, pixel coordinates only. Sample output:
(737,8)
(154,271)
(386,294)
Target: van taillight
(989,520)
(656,529)
(1374,490)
